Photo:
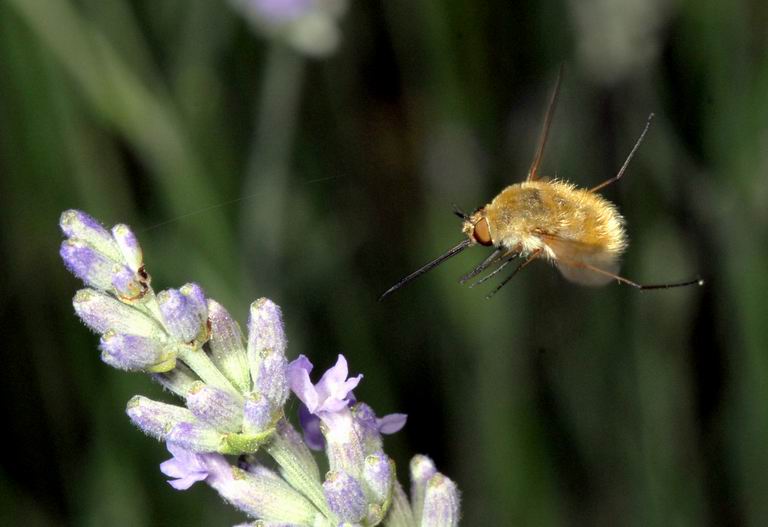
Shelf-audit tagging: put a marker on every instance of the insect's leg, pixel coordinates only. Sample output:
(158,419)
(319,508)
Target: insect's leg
(627,281)
(533,171)
(504,262)
(528,260)
(482,266)
(629,158)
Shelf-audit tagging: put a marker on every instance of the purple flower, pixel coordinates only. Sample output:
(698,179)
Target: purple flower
(188,467)
(280,11)
(331,396)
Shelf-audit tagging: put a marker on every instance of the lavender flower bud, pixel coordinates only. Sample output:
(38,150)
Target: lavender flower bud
(228,347)
(345,496)
(262,494)
(343,447)
(257,414)
(266,333)
(366,427)
(219,408)
(93,267)
(184,312)
(422,469)
(155,418)
(135,353)
(102,312)
(78,225)
(271,380)
(127,284)
(197,437)
(441,503)
(129,248)
(378,476)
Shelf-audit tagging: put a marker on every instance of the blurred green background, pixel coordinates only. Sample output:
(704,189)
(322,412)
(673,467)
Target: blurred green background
(254,171)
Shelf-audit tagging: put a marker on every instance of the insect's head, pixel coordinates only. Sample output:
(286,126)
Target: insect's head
(475,226)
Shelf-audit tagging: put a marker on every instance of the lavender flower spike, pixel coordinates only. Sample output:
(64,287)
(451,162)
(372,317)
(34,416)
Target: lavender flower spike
(235,391)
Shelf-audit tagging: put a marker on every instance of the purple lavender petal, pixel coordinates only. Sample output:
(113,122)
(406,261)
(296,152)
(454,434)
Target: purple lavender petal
(334,387)
(300,383)
(310,423)
(189,467)
(391,423)
(345,496)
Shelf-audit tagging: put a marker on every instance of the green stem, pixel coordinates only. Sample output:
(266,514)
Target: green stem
(269,165)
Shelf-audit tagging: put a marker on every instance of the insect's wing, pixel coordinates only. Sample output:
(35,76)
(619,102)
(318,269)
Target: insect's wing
(533,171)
(574,259)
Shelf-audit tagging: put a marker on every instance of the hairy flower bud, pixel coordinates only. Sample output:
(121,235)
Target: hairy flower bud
(155,418)
(441,503)
(219,408)
(136,353)
(102,312)
(345,496)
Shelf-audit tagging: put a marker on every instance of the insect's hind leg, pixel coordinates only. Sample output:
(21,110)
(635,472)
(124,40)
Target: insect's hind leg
(629,158)
(627,281)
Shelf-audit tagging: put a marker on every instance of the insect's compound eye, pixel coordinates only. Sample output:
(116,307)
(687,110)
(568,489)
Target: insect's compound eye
(482,233)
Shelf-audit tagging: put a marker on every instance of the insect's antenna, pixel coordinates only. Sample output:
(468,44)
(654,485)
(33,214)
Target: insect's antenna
(428,267)
(460,213)
(629,158)
(537,157)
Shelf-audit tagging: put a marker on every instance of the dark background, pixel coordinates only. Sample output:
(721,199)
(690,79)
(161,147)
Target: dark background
(255,172)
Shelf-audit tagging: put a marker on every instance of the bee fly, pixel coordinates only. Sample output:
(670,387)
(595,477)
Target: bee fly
(577,230)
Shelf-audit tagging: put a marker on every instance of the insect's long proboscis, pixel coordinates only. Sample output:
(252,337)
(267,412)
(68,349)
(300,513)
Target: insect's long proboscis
(427,267)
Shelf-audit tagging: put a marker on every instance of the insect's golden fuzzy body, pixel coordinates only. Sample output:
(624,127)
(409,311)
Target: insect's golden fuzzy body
(562,223)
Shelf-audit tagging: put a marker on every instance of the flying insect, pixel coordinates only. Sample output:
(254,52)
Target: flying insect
(577,230)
